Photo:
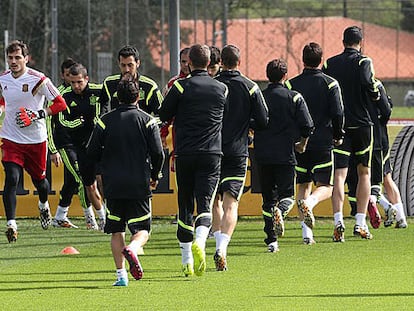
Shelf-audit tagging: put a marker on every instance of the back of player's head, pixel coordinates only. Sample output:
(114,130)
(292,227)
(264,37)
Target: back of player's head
(312,54)
(276,69)
(352,35)
(215,57)
(199,55)
(128,51)
(128,89)
(66,64)
(78,69)
(230,56)
(16,45)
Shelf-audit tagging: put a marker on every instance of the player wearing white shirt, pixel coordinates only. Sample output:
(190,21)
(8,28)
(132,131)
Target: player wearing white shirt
(22,98)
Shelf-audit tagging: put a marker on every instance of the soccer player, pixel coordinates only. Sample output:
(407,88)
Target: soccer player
(197,103)
(128,61)
(54,129)
(245,102)
(275,147)
(323,98)
(78,121)
(127,143)
(355,75)
(24,135)
(214,67)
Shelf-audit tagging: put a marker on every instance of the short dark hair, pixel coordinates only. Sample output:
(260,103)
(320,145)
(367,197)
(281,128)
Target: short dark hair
(230,56)
(128,50)
(17,45)
(66,64)
(312,54)
(184,51)
(128,89)
(215,57)
(78,69)
(199,55)
(352,35)
(276,69)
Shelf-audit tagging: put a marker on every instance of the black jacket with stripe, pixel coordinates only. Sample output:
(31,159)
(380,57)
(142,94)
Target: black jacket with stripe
(245,104)
(150,97)
(355,75)
(127,143)
(197,103)
(80,116)
(323,98)
(289,119)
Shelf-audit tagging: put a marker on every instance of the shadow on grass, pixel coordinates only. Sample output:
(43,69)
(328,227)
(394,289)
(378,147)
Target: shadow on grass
(343,295)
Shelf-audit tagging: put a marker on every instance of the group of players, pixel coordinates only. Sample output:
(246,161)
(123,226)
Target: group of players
(310,128)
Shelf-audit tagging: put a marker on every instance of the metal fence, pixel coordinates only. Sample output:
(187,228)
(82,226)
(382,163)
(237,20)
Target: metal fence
(92,32)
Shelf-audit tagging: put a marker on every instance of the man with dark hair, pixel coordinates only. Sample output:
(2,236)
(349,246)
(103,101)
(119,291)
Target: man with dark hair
(214,67)
(70,185)
(197,104)
(23,91)
(355,75)
(274,147)
(127,143)
(245,103)
(323,98)
(78,122)
(129,61)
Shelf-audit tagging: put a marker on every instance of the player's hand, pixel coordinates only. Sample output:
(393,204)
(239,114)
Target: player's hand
(25,116)
(300,147)
(338,142)
(153,184)
(56,159)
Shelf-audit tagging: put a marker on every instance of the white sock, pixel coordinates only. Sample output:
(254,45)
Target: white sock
(384,202)
(311,201)
(12,222)
(61,212)
(186,254)
(306,231)
(360,219)
(201,235)
(43,206)
(121,274)
(134,246)
(338,217)
(400,211)
(217,238)
(89,211)
(101,213)
(224,242)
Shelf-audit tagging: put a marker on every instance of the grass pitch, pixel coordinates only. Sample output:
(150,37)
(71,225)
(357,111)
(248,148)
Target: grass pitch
(357,274)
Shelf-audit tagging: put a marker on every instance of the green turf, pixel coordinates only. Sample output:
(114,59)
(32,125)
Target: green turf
(357,274)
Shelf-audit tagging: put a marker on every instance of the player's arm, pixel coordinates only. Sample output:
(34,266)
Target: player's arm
(260,110)
(368,78)
(303,120)
(169,105)
(94,147)
(155,150)
(336,111)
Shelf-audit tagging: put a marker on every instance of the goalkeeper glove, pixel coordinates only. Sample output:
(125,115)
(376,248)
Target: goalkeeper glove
(25,116)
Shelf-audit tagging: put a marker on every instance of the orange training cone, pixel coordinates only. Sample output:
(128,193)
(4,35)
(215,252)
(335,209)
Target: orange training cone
(69,250)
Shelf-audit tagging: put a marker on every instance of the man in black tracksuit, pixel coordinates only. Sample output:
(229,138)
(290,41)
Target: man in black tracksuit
(128,144)
(289,121)
(245,102)
(323,98)
(78,121)
(355,75)
(150,97)
(197,103)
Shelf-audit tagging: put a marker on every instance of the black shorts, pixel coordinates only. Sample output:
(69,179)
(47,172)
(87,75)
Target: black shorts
(87,167)
(377,168)
(122,212)
(358,143)
(387,167)
(316,166)
(233,175)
